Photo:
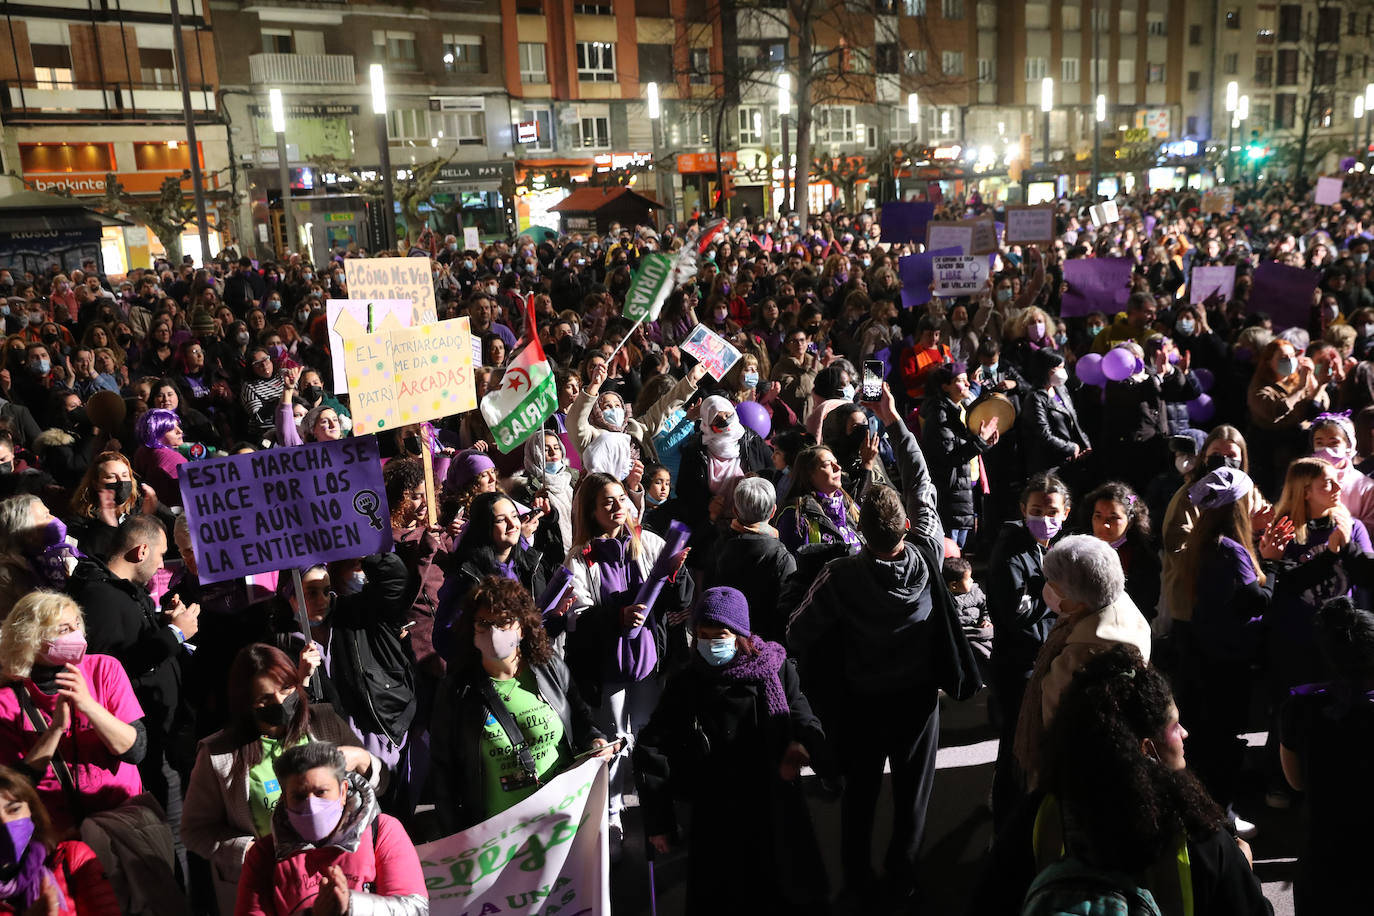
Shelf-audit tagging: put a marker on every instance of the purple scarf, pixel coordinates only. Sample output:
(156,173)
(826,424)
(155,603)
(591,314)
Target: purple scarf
(27,884)
(762,669)
(833,506)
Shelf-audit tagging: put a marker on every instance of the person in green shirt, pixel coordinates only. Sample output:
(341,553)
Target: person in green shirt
(501,643)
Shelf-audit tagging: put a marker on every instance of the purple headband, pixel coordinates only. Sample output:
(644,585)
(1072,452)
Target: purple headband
(1221,487)
(155,424)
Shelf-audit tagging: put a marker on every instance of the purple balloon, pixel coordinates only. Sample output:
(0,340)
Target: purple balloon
(1205,378)
(1201,409)
(1119,364)
(755,416)
(1347,163)
(1089,369)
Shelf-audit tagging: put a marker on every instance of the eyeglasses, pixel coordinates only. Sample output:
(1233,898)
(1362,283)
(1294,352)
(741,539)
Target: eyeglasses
(265,361)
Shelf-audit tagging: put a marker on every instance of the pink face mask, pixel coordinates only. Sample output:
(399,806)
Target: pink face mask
(317,820)
(69,648)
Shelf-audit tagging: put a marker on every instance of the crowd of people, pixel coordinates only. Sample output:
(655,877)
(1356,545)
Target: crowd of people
(877,510)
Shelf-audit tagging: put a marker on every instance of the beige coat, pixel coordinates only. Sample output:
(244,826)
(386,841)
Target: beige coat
(1179,520)
(1071,643)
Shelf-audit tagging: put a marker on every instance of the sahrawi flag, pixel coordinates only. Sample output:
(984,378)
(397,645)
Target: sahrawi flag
(527,397)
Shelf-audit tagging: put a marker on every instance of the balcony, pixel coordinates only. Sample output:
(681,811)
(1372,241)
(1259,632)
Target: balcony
(302,69)
(37,101)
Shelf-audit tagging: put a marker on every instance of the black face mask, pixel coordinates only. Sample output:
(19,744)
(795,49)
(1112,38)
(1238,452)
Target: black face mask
(122,490)
(412,445)
(278,715)
(6,467)
(1221,461)
(313,393)
(124,340)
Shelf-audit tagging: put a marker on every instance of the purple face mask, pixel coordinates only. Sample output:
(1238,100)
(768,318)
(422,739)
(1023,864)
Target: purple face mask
(317,821)
(1043,528)
(54,533)
(15,840)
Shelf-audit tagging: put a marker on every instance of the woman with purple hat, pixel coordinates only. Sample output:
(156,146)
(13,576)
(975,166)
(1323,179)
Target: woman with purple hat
(732,732)
(1226,581)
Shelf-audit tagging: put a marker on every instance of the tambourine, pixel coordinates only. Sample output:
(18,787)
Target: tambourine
(992,404)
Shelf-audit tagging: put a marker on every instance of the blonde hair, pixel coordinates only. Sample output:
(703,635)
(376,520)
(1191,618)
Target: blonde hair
(1302,473)
(32,619)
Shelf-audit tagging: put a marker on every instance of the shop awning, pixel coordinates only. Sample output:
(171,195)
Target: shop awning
(592,200)
(34,211)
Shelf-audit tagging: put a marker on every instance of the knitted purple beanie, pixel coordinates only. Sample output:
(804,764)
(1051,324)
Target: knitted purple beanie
(725,606)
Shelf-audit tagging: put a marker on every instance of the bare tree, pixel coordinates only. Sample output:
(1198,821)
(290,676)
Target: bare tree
(1317,59)
(411,192)
(166,215)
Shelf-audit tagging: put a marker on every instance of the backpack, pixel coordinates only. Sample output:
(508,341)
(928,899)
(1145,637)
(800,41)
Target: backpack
(1070,887)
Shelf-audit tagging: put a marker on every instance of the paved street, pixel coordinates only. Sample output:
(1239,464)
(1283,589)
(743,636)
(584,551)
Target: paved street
(959,830)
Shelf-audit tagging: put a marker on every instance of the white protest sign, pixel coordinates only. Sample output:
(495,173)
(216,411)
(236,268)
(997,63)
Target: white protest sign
(1210,281)
(1030,224)
(959,275)
(347,319)
(394,278)
(984,240)
(472,239)
(547,853)
(941,235)
(711,350)
(1329,191)
(1105,213)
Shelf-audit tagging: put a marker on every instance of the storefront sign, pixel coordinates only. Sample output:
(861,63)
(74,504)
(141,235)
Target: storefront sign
(478,171)
(691,163)
(307,110)
(92,184)
(527,132)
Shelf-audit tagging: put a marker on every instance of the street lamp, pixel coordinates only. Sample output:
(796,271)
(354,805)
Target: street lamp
(384,142)
(1232,100)
(1046,104)
(1100,115)
(279,128)
(655,118)
(785,109)
(1368,107)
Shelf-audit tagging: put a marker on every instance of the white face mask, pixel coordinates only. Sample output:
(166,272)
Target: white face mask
(496,644)
(1058,376)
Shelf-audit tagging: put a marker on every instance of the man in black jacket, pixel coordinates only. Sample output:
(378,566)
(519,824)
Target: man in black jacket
(752,559)
(244,289)
(123,622)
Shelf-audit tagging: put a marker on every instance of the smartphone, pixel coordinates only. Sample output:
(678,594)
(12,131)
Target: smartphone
(873,380)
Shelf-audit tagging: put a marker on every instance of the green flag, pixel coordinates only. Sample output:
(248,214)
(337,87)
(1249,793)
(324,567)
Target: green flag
(652,283)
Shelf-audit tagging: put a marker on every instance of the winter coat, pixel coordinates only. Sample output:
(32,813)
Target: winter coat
(1021,620)
(757,565)
(281,873)
(81,882)
(1049,429)
(456,734)
(693,490)
(949,446)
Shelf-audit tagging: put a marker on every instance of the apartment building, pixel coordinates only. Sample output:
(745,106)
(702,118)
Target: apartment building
(89,90)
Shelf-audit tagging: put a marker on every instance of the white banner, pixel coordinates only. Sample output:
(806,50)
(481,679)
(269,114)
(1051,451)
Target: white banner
(548,854)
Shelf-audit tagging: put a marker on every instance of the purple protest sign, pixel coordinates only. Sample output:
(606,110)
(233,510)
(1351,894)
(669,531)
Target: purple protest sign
(1284,292)
(286,507)
(905,222)
(1150,223)
(1096,284)
(917,273)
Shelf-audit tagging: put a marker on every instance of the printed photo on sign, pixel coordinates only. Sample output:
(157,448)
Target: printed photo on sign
(286,508)
(711,350)
(394,278)
(349,319)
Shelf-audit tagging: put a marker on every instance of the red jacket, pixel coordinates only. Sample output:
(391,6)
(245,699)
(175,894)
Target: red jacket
(81,878)
(390,866)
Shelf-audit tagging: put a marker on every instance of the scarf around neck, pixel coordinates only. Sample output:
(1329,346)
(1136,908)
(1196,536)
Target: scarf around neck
(764,669)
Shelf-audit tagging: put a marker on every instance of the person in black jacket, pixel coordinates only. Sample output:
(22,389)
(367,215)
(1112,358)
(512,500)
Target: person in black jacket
(719,439)
(1135,419)
(750,557)
(731,734)
(1020,617)
(122,621)
(501,646)
(871,615)
(1051,435)
(953,450)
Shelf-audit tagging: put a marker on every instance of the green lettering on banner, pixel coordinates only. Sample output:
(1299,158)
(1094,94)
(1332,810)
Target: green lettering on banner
(533,410)
(650,286)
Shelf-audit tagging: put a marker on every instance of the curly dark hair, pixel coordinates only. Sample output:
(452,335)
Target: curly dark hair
(506,600)
(1127,806)
(401,474)
(1137,513)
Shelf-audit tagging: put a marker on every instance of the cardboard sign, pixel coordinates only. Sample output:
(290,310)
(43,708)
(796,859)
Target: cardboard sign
(917,272)
(1030,224)
(1105,213)
(286,507)
(1210,281)
(905,222)
(960,275)
(472,239)
(394,278)
(1329,191)
(970,236)
(1284,292)
(1096,285)
(349,319)
(1219,200)
(711,350)
(409,375)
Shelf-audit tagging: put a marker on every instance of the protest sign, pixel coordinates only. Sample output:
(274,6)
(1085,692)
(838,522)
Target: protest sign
(917,273)
(1219,200)
(1210,281)
(959,275)
(394,278)
(285,507)
(653,281)
(1284,292)
(353,318)
(971,236)
(905,222)
(711,350)
(984,235)
(472,239)
(1105,213)
(1328,191)
(1095,284)
(408,375)
(1030,224)
(548,853)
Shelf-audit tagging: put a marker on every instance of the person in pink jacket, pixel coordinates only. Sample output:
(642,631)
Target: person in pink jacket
(331,851)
